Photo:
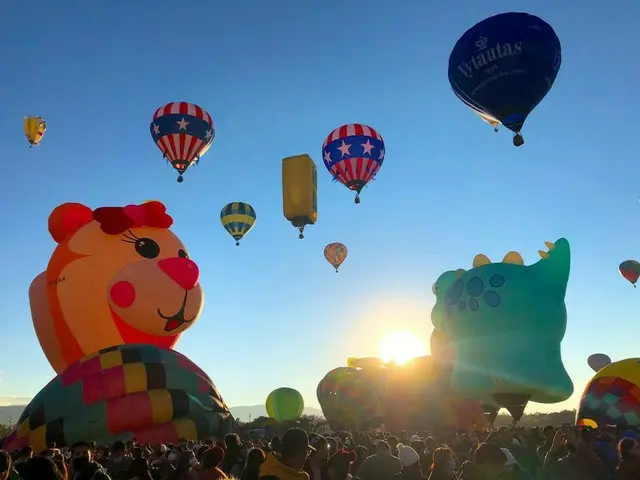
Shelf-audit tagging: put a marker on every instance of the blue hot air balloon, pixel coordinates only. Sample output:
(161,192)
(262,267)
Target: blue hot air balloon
(504,66)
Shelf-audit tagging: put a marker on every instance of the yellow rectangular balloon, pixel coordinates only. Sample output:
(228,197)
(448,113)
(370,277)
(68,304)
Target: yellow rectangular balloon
(300,189)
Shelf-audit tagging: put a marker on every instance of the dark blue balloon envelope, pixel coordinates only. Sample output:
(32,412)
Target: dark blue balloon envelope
(504,66)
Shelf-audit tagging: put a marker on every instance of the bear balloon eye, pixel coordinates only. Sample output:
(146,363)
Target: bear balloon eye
(183,254)
(147,248)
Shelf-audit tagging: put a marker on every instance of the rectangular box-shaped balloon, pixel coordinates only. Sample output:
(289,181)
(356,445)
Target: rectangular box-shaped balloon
(300,189)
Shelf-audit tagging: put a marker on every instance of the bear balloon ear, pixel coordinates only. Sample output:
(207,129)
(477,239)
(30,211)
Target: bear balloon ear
(67,219)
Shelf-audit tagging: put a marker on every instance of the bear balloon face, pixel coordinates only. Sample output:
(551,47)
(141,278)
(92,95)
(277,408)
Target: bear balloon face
(118,276)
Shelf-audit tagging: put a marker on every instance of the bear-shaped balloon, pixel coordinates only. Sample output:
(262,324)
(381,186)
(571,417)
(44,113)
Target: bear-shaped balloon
(118,275)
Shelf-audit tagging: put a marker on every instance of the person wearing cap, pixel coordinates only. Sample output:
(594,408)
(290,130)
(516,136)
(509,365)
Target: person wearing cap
(289,464)
(381,465)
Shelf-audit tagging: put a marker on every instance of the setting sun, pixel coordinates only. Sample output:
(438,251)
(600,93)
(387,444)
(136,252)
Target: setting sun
(401,347)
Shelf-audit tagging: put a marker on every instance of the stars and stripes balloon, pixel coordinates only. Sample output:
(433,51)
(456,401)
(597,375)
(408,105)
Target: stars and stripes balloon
(183,132)
(353,154)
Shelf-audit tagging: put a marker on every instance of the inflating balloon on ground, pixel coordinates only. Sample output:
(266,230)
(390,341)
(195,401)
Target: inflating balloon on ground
(284,404)
(415,395)
(505,323)
(612,396)
(120,393)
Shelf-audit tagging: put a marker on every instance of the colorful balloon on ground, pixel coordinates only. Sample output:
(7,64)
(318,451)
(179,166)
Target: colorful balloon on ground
(300,191)
(598,361)
(630,270)
(418,396)
(284,404)
(335,253)
(120,393)
(351,399)
(414,395)
(183,132)
(118,275)
(505,322)
(353,154)
(612,397)
(34,128)
(504,66)
(238,218)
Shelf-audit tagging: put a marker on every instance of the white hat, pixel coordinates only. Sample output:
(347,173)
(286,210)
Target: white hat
(407,455)
(415,438)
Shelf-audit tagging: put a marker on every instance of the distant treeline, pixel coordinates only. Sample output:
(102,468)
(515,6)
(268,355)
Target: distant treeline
(539,419)
(528,420)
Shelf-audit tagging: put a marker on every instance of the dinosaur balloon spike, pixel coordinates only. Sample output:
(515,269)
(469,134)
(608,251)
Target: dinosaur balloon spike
(514,258)
(480,260)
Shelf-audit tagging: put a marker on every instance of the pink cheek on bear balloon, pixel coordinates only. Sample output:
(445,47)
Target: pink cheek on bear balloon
(123,294)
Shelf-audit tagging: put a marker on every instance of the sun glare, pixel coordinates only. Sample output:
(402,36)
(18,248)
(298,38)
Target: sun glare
(401,347)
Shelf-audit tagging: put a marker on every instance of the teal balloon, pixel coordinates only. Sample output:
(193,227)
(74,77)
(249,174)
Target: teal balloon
(505,322)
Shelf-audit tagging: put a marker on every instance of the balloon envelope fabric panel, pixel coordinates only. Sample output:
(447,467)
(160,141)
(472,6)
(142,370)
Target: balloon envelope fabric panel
(124,392)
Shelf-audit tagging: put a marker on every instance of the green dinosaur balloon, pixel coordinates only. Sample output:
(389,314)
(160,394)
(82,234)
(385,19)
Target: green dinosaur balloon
(505,322)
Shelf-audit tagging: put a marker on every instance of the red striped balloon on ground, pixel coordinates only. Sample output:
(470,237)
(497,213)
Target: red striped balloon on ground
(353,154)
(183,132)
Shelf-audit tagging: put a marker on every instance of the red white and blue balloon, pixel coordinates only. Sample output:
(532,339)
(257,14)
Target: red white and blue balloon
(183,132)
(353,154)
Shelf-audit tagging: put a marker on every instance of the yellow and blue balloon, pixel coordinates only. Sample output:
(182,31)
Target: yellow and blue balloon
(238,218)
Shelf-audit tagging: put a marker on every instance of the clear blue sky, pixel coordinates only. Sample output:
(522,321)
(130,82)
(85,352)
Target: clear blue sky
(277,77)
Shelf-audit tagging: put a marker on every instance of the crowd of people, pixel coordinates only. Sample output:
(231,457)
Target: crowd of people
(566,453)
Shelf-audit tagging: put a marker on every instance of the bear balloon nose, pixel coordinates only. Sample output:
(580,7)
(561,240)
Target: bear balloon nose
(183,271)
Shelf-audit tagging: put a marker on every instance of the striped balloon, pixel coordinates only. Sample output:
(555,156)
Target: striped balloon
(353,154)
(183,132)
(238,218)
